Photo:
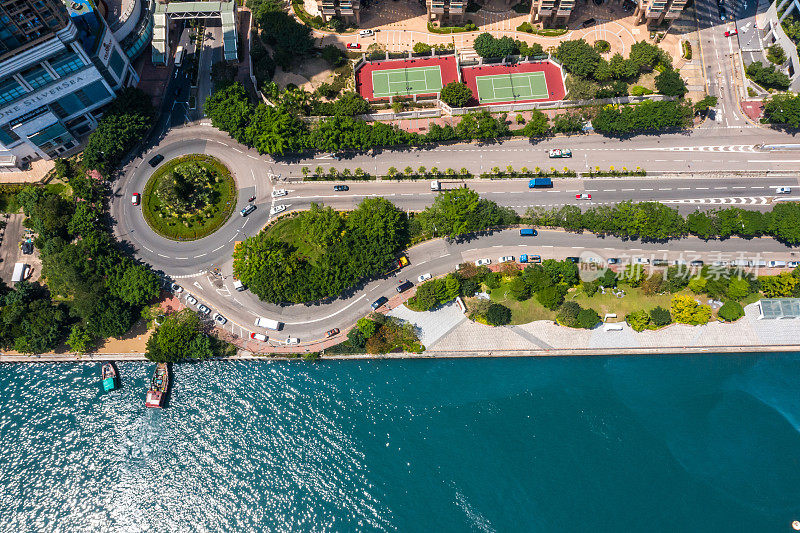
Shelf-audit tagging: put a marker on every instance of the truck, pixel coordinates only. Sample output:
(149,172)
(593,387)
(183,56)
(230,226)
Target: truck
(179,56)
(436,185)
(268,323)
(528,232)
(539,183)
(530,258)
(21,271)
(397,265)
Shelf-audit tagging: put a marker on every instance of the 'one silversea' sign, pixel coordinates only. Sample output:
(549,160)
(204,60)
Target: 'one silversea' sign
(56,90)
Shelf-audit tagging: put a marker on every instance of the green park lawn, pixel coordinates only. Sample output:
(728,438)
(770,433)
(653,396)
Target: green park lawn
(196,226)
(634,300)
(287,230)
(521,312)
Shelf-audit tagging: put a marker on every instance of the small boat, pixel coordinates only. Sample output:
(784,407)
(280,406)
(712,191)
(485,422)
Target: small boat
(158,386)
(109,377)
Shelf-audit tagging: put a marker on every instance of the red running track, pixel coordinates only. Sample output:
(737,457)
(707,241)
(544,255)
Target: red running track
(552,75)
(446,64)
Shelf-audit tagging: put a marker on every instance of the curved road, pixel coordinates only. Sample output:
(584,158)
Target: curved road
(190,263)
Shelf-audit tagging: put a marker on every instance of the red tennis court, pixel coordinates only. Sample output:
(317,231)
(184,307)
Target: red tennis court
(552,76)
(419,76)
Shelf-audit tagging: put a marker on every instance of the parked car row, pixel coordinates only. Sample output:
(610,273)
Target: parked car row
(202,309)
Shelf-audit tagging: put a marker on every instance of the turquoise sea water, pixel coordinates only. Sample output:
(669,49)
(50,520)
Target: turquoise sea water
(601,444)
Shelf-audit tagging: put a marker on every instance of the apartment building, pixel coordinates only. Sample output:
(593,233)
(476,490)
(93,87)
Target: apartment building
(552,12)
(654,12)
(60,65)
(447,11)
(349,10)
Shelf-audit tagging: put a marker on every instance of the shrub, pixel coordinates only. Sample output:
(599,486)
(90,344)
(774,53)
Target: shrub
(519,290)
(526,27)
(602,46)
(660,316)
(638,320)
(422,48)
(493,280)
(776,54)
(589,288)
(738,288)
(456,94)
(551,297)
(730,311)
(670,83)
(588,318)
(498,315)
(568,314)
(638,90)
(686,310)
(768,77)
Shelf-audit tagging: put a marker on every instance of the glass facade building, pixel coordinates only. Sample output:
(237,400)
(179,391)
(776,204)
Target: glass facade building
(56,76)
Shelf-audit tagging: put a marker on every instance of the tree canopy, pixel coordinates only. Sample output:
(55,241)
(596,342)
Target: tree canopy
(456,94)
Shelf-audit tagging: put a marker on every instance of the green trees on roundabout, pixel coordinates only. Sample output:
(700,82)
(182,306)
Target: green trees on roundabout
(189,197)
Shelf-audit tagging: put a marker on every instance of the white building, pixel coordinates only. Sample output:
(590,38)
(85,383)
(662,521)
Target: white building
(55,81)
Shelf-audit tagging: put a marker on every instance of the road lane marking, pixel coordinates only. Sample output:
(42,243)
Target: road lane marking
(351,304)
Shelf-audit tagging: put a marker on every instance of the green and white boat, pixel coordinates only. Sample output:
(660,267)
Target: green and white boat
(109,377)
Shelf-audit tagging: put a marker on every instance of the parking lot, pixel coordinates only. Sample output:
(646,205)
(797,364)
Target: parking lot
(10,253)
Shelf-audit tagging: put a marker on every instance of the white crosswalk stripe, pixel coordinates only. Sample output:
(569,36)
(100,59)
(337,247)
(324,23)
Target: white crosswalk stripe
(731,200)
(728,148)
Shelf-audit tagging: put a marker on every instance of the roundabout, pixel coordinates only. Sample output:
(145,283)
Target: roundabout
(189,197)
(204,267)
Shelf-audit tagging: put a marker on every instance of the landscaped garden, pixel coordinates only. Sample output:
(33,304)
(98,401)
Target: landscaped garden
(189,197)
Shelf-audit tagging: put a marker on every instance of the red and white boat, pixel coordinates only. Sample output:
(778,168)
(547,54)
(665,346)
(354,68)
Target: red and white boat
(158,386)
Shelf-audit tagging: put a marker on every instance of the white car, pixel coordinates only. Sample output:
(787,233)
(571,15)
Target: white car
(279,192)
(722,263)
(783,190)
(642,261)
(177,289)
(258,337)
(219,319)
(483,262)
(204,309)
(191,300)
(424,277)
(366,33)
(292,340)
(583,196)
(506,259)
(275,209)
(793,264)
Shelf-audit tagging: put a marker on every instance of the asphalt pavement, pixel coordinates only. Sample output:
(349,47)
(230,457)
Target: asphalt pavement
(191,263)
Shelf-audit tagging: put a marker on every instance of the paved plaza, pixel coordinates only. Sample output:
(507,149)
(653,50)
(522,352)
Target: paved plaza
(546,335)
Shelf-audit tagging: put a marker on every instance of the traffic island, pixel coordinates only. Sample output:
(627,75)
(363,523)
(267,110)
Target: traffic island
(189,197)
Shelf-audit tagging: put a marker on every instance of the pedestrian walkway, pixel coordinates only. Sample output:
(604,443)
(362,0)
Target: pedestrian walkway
(546,335)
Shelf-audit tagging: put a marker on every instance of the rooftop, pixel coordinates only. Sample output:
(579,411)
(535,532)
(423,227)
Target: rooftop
(772,308)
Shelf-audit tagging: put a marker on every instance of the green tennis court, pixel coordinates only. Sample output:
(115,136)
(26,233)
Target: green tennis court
(511,86)
(406,81)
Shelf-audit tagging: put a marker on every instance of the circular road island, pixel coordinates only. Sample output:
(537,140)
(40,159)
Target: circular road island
(189,197)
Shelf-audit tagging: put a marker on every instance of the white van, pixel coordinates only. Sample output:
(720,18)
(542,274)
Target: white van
(366,33)
(268,323)
(179,56)
(238,285)
(21,272)
(776,264)
(436,186)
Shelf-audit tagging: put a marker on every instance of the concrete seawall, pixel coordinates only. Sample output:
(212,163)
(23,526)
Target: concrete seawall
(247,356)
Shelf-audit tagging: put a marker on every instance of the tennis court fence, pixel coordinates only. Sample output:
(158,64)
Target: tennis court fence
(558,104)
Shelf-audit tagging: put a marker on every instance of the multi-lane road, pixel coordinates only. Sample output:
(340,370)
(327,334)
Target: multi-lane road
(722,183)
(726,161)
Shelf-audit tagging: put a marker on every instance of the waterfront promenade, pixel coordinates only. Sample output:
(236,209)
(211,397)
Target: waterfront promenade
(447,333)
